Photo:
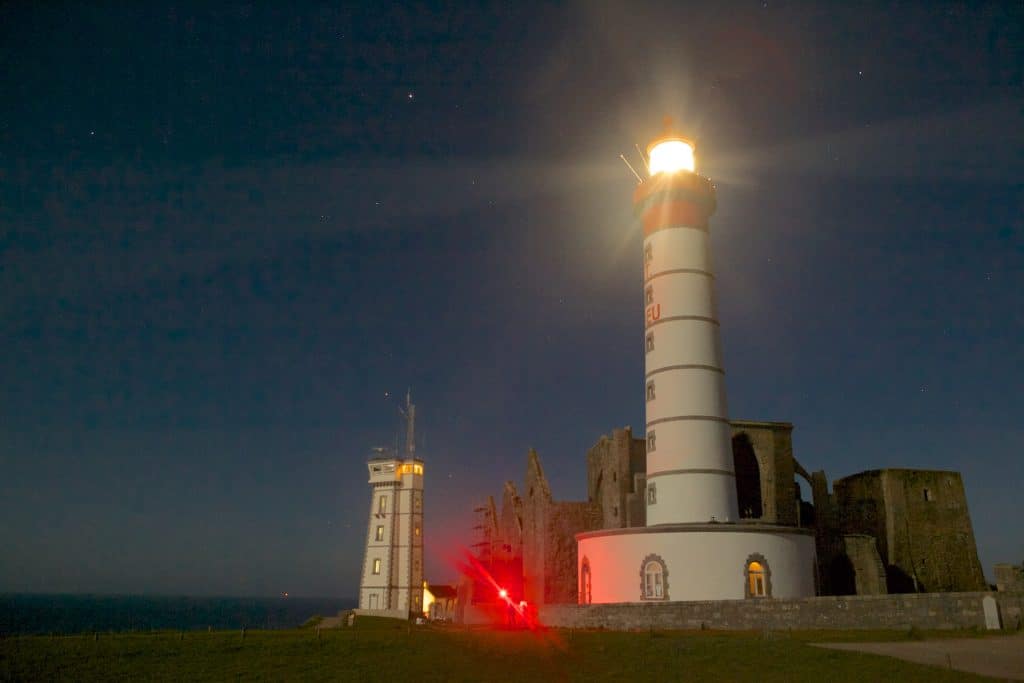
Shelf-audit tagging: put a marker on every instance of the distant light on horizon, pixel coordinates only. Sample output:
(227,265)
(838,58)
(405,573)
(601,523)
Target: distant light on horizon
(670,156)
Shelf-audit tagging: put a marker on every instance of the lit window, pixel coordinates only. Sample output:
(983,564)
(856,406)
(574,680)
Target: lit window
(380,534)
(758,577)
(376,566)
(755,574)
(650,390)
(650,342)
(382,505)
(418,469)
(649,295)
(650,442)
(652,495)
(417,531)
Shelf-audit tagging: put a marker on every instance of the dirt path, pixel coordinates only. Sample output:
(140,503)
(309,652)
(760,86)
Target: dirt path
(996,656)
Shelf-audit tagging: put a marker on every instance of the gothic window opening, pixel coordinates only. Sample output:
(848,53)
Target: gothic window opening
(748,478)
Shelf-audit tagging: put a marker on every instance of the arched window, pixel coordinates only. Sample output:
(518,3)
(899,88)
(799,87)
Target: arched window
(757,577)
(586,593)
(653,578)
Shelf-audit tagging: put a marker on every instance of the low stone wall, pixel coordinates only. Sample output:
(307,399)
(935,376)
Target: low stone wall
(922,610)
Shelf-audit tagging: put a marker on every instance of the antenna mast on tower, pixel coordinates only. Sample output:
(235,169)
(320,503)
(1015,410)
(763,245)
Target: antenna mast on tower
(409,413)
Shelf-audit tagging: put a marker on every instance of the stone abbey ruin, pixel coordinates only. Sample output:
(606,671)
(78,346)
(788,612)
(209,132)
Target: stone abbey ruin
(876,532)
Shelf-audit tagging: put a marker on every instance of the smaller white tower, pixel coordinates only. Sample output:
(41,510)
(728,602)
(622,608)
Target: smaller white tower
(392,579)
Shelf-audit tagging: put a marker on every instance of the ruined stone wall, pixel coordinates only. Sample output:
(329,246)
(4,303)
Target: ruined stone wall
(772,444)
(636,502)
(1009,577)
(511,522)
(536,502)
(612,464)
(923,528)
(923,611)
(564,521)
(866,565)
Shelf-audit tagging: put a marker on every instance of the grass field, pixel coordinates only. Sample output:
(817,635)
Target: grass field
(377,652)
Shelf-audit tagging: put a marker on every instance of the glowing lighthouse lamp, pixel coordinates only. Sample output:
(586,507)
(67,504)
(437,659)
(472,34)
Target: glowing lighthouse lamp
(669,155)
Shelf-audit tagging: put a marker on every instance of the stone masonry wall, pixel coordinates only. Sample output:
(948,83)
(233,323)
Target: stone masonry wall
(1009,577)
(866,563)
(921,610)
(564,521)
(922,525)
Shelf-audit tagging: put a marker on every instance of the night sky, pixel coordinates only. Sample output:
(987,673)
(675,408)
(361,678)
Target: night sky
(231,238)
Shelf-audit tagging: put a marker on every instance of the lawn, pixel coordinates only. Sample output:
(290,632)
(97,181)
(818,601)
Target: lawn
(378,652)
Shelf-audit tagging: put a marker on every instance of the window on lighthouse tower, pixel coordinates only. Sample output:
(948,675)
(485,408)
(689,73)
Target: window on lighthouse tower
(650,342)
(650,442)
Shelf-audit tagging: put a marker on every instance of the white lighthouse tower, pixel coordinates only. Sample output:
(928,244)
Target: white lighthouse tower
(694,546)
(392,578)
(689,453)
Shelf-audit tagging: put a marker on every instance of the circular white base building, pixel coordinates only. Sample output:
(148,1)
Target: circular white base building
(691,547)
(678,562)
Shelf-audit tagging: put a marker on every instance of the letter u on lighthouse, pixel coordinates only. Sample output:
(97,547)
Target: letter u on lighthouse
(689,451)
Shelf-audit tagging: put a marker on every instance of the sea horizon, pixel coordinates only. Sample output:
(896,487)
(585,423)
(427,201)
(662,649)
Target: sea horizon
(68,613)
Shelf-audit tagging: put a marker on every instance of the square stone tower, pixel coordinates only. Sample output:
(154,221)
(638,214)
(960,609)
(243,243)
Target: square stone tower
(392,578)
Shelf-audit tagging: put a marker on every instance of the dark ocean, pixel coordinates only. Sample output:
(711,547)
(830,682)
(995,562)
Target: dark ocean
(87,613)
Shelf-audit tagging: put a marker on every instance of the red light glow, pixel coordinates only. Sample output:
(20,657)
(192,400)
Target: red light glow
(503,593)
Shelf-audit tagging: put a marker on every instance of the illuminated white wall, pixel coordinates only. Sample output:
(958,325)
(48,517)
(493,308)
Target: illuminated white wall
(703,563)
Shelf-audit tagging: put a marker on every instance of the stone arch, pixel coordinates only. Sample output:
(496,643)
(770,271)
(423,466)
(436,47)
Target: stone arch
(756,567)
(748,477)
(653,578)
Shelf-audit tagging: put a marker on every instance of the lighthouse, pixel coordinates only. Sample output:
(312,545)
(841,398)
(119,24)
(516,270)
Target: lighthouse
(693,545)
(392,575)
(690,475)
